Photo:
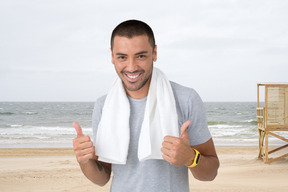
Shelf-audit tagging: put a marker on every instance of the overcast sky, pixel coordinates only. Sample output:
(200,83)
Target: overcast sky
(59,50)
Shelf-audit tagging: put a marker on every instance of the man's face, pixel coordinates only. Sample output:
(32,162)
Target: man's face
(133,60)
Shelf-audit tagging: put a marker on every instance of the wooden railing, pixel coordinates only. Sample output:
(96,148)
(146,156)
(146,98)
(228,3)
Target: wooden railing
(260,118)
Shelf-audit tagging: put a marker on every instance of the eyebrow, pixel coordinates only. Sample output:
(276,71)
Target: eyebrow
(120,54)
(142,52)
(139,53)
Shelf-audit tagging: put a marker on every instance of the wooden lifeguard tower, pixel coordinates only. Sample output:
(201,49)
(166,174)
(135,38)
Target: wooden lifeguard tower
(272,119)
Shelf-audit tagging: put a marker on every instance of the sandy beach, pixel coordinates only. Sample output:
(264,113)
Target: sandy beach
(57,170)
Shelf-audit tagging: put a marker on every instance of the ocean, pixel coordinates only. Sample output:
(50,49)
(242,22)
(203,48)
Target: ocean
(49,124)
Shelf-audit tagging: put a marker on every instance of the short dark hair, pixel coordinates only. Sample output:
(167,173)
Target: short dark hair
(131,28)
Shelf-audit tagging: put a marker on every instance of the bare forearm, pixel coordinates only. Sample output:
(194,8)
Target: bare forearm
(207,168)
(96,172)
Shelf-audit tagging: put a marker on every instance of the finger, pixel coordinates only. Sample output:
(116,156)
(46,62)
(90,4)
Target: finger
(166,158)
(78,129)
(184,127)
(170,139)
(87,151)
(82,142)
(167,145)
(84,139)
(85,158)
(86,145)
(165,151)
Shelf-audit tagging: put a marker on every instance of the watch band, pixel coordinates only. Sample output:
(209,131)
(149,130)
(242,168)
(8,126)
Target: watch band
(196,158)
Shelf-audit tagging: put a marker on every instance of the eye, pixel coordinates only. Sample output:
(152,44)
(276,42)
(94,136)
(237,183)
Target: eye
(121,57)
(141,56)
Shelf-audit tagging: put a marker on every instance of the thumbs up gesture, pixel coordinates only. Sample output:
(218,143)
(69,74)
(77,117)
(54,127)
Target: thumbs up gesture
(177,150)
(83,146)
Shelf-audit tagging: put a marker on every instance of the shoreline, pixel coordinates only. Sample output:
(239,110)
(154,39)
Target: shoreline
(56,169)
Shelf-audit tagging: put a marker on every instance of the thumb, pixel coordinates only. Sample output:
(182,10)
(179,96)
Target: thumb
(78,129)
(184,127)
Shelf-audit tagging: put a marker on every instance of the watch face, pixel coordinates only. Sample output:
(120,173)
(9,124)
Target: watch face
(198,157)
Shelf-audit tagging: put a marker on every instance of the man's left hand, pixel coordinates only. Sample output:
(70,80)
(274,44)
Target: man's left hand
(177,150)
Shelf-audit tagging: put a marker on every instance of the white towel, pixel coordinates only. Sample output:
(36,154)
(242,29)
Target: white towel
(160,119)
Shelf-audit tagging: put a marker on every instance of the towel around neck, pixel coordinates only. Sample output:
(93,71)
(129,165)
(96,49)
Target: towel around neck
(160,119)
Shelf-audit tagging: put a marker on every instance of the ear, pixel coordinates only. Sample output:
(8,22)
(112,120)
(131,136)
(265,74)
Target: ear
(112,58)
(155,53)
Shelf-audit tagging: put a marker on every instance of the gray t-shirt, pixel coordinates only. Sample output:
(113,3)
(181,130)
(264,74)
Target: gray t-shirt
(156,175)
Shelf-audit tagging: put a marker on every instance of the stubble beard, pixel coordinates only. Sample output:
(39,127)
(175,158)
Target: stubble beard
(141,85)
(132,88)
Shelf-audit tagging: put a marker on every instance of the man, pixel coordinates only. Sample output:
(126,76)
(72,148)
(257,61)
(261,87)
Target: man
(133,52)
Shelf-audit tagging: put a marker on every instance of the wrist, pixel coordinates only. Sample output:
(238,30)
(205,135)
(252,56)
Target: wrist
(194,162)
(191,157)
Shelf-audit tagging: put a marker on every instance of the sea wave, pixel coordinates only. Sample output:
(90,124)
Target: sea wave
(245,122)
(19,135)
(216,122)
(251,121)
(6,113)
(31,113)
(14,126)
(24,130)
(50,124)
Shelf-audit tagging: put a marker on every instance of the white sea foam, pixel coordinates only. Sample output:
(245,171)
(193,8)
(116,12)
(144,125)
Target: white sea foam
(249,120)
(50,124)
(44,136)
(14,126)
(30,113)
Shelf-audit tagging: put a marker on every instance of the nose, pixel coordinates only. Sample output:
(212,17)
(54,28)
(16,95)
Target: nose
(131,65)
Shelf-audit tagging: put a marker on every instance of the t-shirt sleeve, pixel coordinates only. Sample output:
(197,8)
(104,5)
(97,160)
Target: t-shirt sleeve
(198,129)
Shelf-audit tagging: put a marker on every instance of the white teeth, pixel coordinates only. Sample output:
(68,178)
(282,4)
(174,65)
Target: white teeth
(132,76)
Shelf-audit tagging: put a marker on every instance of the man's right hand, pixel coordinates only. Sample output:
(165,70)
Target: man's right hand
(83,146)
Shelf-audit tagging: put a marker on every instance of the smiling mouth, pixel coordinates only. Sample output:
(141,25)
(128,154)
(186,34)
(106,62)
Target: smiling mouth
(132,77)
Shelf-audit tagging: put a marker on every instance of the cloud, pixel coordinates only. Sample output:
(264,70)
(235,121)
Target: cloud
(215,47)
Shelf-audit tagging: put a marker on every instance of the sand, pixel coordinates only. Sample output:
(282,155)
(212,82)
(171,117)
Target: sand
(58,170)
